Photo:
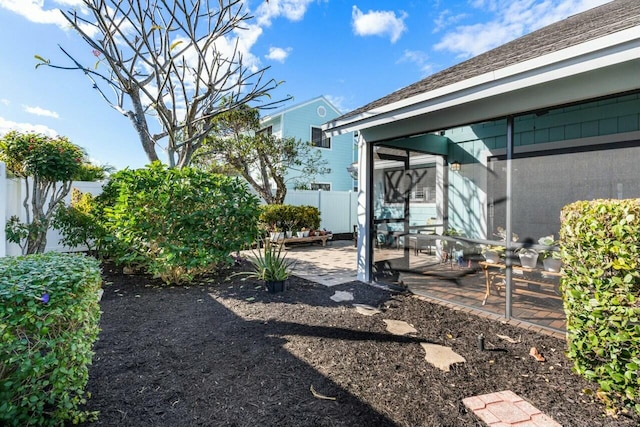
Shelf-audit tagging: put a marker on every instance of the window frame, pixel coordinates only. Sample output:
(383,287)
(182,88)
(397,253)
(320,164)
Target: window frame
(324,142)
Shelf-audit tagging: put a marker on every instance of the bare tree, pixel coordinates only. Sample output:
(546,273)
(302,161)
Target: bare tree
(174,60)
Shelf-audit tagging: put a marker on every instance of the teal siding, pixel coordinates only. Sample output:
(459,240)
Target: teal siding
(297,122)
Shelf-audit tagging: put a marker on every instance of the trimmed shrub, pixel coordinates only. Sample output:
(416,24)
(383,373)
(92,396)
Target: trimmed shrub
(49,317)
(309,217)
(177,223)
(600,253)
(289,217)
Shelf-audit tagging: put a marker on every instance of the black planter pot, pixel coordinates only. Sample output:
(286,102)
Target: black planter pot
(275,286)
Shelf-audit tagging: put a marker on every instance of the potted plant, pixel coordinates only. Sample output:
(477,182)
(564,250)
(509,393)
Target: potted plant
(271,265)
(493,253)
(550,258)
(528,257)
(448,246)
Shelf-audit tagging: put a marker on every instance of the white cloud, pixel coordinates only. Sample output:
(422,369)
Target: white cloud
(34,11)
(7,125)
(293,10)
(338,101)
(378,23)
(278,54)
(513,18)
(4,101)
(41,112)
(418,58)
(446,19)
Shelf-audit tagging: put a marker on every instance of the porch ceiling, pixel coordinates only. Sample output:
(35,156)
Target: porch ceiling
(428,143)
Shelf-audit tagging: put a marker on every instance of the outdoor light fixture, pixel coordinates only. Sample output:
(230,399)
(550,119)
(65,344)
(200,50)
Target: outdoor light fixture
(455,166)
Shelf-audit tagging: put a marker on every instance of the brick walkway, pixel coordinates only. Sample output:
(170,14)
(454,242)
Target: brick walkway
(507,409)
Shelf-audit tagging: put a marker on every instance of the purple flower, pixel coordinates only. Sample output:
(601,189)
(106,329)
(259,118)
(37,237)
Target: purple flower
(45,298)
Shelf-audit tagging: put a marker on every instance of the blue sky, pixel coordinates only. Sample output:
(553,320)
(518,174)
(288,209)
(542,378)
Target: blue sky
(351,52)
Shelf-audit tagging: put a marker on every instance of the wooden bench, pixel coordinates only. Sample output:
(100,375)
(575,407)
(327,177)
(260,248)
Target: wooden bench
(528,276)
(310,239)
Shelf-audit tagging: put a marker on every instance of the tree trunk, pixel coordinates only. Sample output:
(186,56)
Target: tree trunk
(139,121)
(37,238)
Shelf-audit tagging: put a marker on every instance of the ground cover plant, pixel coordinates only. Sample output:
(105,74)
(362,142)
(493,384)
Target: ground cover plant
(226,352)
(48,323)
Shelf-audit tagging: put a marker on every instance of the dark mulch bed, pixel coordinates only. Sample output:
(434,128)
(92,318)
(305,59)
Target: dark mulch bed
(229,353)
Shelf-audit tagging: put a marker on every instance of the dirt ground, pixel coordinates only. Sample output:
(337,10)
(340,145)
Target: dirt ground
(228,353)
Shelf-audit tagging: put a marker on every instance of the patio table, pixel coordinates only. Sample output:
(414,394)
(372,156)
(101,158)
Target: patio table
(528,276)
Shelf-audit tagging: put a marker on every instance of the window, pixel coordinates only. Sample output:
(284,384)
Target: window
(421,187)
(320,186)
(318,139)
(268,131)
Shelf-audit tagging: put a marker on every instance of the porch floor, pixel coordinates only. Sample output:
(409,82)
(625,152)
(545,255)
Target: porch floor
(444,283)
(466,287)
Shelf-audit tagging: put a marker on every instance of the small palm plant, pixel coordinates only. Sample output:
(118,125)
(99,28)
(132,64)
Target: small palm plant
(271,265)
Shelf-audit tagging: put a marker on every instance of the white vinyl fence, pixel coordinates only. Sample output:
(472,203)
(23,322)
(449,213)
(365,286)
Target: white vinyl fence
(337,209)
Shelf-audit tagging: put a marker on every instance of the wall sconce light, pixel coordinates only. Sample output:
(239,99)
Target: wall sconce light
(455,166)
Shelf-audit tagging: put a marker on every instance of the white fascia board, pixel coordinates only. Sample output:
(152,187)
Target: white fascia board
(605,51)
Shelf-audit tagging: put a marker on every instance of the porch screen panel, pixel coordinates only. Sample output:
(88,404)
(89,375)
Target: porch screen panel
(542,185)
(545,183)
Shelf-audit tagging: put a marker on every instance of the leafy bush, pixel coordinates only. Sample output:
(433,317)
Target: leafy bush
(77,223)
(48,323)
(308,217)
(177,223)
(600,253)
(289,217)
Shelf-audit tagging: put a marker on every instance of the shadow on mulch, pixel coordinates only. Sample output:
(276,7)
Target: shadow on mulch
(229,353)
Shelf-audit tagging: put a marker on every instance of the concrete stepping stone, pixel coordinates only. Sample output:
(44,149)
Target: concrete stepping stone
(505,408)
(366,310)
(399,327)
(440,356)
(340,296)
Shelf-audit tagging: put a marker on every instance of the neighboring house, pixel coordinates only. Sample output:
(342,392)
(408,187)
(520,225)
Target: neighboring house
(514,134)
(303,121)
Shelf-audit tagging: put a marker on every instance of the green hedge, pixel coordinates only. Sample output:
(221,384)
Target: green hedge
(289,217)
(600,251)
(49,317)
(176,223)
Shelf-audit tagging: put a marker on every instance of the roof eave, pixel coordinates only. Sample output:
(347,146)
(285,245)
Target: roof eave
(611,49)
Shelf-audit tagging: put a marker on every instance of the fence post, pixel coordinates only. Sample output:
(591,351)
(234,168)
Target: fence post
(3,209)
(320,205)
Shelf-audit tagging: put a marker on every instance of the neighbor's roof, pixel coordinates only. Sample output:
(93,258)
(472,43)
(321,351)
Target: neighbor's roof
(589,25)
(286,109)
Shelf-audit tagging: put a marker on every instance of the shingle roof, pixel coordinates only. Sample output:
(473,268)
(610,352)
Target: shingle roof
(609,18)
